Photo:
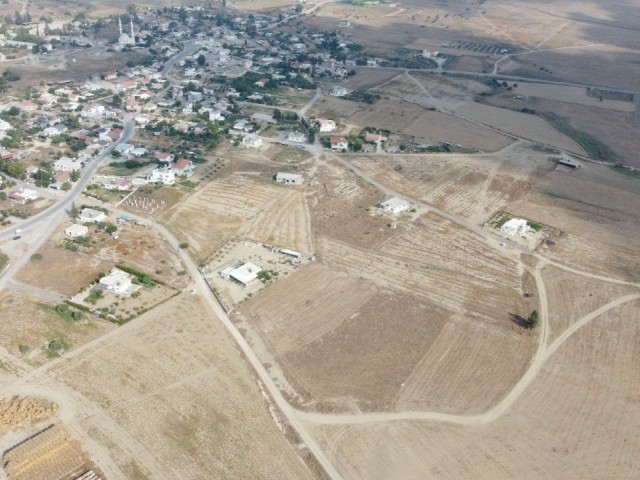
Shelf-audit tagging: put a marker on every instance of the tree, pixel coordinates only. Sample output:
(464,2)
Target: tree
(201,60)
(75,175)
(183,245)
(66,186)
(532,320)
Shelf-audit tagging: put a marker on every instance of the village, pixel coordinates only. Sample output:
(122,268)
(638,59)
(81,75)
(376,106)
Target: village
(247,238)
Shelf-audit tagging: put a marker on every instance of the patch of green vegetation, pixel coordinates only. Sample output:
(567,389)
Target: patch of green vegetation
(362,96)
(4,260)
(627,172)
(56,346)
(595,148)
(534,226)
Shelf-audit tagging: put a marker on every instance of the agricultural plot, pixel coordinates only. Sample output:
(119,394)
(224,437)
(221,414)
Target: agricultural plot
(591,377)
(428,126)
(180,392)
(566,94)
(596,209)
(152,200)
(219,210)
(523,125)
(286,222)
(470,186)
(441,263)
(571,297)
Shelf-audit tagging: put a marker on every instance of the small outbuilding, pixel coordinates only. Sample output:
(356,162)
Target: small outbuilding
(289,178)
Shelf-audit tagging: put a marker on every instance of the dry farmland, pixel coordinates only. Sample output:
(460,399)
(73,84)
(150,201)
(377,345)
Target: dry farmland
(256,208)
(590,377)
(430,127)
(523,125)
(179,392)
(471,186)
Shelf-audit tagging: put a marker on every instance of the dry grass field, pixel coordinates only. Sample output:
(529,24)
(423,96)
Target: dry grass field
(30,321)
(177,387)
(581,417)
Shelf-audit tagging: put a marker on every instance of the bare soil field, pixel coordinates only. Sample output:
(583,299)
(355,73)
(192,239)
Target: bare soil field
(592,377)
(571,297)
(428,126)
(219,210)
(426,261)
(29,321)
(66,272)
(471,186)
(178,387)
(567,94)
(523,125)
(368,78)
(615,129)
(343,208)
(600,65)
(285,222)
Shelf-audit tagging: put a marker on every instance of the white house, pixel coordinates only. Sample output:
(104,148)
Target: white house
(24,195)
(76,230)
(395,205)
(289,178)
(246,274)
(66,164)
(89,215)
(326,125)
(163,175)
(515,226)
(338,91)
(119,282)
(252,141)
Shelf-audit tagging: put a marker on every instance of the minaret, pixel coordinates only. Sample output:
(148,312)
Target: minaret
(133,38)
(120,25)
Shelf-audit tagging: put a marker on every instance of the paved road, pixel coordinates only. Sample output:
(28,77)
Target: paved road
(52,297)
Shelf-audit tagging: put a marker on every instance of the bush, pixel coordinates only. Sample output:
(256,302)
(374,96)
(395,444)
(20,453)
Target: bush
(36,257)
(533,319)
(23,349)
(62,308)
(183,245)
(77,316)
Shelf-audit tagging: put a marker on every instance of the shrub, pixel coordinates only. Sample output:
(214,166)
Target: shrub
(36,257)
(533,319)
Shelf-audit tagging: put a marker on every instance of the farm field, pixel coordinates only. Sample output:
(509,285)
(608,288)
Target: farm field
(523,125)
(591,376)
(387,292)
(566,94)
(198,412)
(428,126)
(471,186)
(241,205)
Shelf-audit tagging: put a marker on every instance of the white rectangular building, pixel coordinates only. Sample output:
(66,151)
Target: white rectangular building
(119,282)
(395,205)
(289,178)
(246,274)
(66,164)
(89,215)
